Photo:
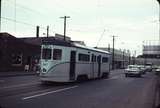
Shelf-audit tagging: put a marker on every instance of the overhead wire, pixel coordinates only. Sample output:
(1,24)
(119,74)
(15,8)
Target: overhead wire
(23,7)
(36,12)
(100,37)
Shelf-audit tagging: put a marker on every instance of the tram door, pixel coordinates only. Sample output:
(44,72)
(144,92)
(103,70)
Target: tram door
(72,65)
(99,65)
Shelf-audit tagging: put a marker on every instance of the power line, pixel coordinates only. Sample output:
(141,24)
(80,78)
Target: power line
(20,22)
(25,7)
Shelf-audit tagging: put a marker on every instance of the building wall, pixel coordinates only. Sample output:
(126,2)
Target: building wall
(144,61)
(121,58)
(15,53)
(151,50)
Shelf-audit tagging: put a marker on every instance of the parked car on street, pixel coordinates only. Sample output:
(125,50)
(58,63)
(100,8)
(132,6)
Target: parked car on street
(157,71)
(143,68)
(149,67)
(133,70)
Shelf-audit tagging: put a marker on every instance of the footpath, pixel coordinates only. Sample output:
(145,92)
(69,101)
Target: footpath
(19,73)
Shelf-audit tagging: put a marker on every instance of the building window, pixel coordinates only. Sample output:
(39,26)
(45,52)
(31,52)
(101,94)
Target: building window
(46,53)
(57,54)
(17,59)
(104,59)
(84,57)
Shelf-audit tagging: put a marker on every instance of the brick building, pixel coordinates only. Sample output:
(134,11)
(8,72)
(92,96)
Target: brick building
(15,53)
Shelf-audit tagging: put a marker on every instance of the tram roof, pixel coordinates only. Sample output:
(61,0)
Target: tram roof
(90,48)
(70,44)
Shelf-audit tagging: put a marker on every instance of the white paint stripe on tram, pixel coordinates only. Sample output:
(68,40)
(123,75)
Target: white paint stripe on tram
(50,92)
(20,85)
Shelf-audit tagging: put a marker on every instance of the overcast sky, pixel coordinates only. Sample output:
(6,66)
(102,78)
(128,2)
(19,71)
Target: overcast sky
(132,21)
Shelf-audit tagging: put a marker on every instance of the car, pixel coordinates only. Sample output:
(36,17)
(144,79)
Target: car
(157,71)
(149,67)
(143,68)
(133,70)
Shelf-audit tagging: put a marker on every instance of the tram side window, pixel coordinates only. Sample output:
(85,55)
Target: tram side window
(84,57)
(57,54)
(104,59)
(93,58)
(98,59)
(46,53)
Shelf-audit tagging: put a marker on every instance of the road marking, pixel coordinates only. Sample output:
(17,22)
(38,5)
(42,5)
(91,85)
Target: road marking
(14,86)
(46,93)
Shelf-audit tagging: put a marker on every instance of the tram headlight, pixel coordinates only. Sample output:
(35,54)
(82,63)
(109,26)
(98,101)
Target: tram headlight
(44,70)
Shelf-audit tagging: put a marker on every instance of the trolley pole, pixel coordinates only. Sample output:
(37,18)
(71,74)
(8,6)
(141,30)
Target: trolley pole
(47,31)
(65,25)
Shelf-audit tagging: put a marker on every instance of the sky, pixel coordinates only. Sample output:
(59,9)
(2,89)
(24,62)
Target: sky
(133,22)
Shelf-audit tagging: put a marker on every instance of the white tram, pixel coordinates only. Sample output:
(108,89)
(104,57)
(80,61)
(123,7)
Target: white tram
(63,61)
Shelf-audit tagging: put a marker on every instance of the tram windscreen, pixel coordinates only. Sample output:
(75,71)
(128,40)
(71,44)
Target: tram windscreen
(46,53)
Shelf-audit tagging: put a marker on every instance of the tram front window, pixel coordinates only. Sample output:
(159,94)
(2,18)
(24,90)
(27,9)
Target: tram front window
(57,54)
(46,53)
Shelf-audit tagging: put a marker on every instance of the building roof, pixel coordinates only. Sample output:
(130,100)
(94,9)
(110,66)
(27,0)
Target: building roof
(6,35)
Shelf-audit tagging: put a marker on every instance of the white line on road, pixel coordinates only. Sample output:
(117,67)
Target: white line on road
(46,93)
(15,86)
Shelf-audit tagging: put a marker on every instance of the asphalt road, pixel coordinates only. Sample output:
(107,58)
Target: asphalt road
(114,92)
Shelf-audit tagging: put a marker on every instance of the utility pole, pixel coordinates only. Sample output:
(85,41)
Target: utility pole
(113,52)
(109,48)
(129,57)
(15,16)
(159,19)
(123,58)
(0,13)
(37,31)
(47,31)
(135,57)
(65,25)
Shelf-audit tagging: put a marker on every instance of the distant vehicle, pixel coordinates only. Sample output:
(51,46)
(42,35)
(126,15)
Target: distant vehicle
(63,61)
(148,67)
(154,67)
(133,70)
(143,68)
(157,71)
